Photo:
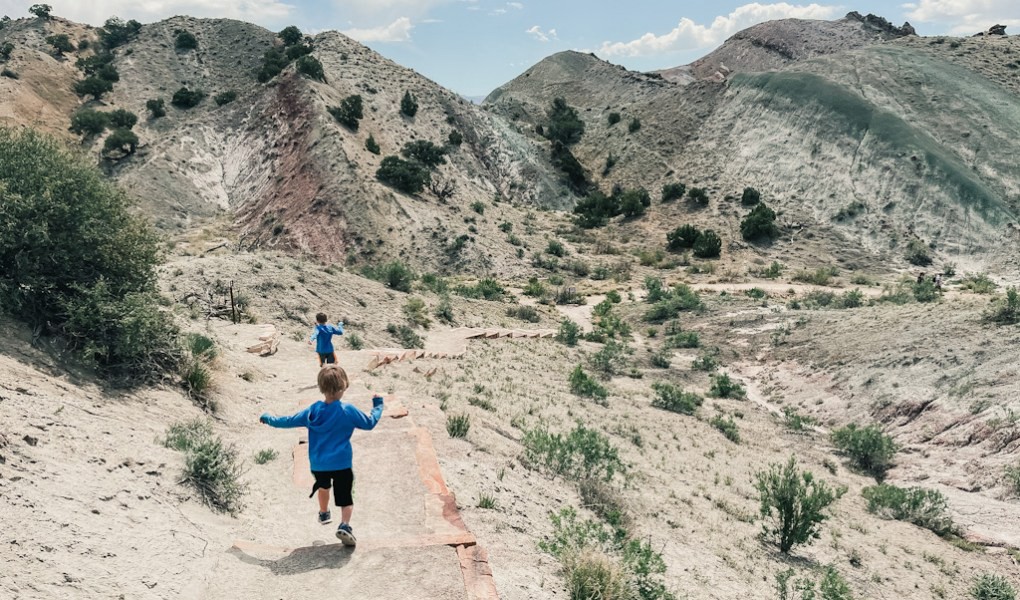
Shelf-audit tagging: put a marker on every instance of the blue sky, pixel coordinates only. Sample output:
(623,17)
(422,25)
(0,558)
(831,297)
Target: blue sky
(473,46)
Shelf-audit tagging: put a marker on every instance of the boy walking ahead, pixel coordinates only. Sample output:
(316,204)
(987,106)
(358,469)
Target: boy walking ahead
(330,423)
(322,335)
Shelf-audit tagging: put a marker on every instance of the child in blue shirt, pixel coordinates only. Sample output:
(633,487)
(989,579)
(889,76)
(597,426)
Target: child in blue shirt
(330,423)
(322,335)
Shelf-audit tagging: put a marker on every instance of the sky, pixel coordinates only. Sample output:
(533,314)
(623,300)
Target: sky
(474,46)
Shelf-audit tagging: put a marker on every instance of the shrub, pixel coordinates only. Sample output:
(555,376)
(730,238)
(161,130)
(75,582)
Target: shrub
(198,382)
(444,310)
(706,362)
(821,276)
(123,141)
(310,67)
(750,197)
(455,138)
(724,387)
(354,341)
(852,299)
(415,311)
(156,108)
(924,508)
(225,97)
(405,176)
(683,339)
(634,202)
(185,98)
(88,122)
(992,587)
(581,384)
(793,503)
(917,253)
(556,248)
(406,335)
(673,191)
(214,470)
(773,271)
(580,455)
(868,449)
(93,86)
(634,126)
(614,118)
(274,61)
(77,262)
(727,427)
(524,313)
(592,573)
(396,275)
(1005,310)
(596,209)
(409,105)
(682,238)
(425,153)
(266,455)
(486,289)
(349,113)
(674,399)
(5,51)
(123,119)
(61,43)
(568,333)
(92,65)
(185,40)
(698,196)
(478,206)
(708,245)
(979,284)
(41,10)
(290,35)
(611,359)
(925,290)
(116,32)
(669,304)
(372,146)
(457,426)
(759,223)
(564,125)
(186,435)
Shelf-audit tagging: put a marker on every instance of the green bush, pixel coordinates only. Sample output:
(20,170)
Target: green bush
(396,275)
(354,341)
(425,153)
(706,362)
(41,11)
(633,203)
(698,196)
(185,98)
(274,61)
(750,197)
(793,504)
(156,108)
(405,176)
(917,253)
(408,338)
(86,122)
(185,40)
(486,289)
(444,310)
(186,435)
(564,125)
(568,333)
(868,449)
(614,118)
(708,245)
(349,113)
(673,191)
(524,313)
(992,587)
(415,311)
(556,248)
(634,125)
(5,51)
(682,238)
(979,284)
(925,290)
(924,508)
(123,119)
(225,97)
(409,105)
(674,399)
(724,387)
(1005,310)
(581,384)
(455,138)
(611,359)
(372,146)
(669,304)
(759,223)
(576,177)
(683,339)
(290,35)
(77,262)
(310,67)
(121,141)
(214,470)
(93,86)
(266,455)
(116,32)
(773,271)
(457,426)
(727,427)
(821,276)
(580,455)
(61,43)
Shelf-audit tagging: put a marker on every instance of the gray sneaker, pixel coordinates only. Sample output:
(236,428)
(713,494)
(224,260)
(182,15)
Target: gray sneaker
(345,534)
(325,517)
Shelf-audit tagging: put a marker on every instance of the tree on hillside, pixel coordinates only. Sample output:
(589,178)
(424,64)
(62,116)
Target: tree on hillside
(750,197)
(185,98)
(274,61)
(156,108)
(682,238)
(408,177)
(564,125)
(41,10)
(311,67)
(61,43)
(5,51)
(91,65)
(185,40)
(122,141)
(708,245)
(760,223)
(117,32)
(87,122)
(699,196)
(93,86)
(290,35)
(123,119)
(424,152)
(349,113)
(634,202)
(78,263)
(673,191)
(409,105)
(564,160)
(793,503)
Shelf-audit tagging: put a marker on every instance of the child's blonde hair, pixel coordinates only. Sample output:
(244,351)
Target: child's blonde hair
(333,380)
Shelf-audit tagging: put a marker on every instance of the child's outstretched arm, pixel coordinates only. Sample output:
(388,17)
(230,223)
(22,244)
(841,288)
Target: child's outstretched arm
(296,420)
(315,334)
(363,421)
(337,329)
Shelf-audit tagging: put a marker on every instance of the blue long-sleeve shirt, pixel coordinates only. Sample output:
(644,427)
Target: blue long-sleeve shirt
(330,426)
(323,337)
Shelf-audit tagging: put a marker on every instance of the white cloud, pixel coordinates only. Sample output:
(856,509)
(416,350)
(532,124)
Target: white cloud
(965,16)
(542,36)
(515,5)
(397,31)
(689,35)
(97,11)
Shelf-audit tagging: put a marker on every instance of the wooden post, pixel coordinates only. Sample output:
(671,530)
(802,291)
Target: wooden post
(233,308)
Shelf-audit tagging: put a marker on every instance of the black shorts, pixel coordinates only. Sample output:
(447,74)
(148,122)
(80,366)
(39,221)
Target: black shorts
(327,359)
(342,483)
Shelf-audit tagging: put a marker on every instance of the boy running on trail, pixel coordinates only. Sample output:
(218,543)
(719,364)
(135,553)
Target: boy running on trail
(322,335)
(330,423)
